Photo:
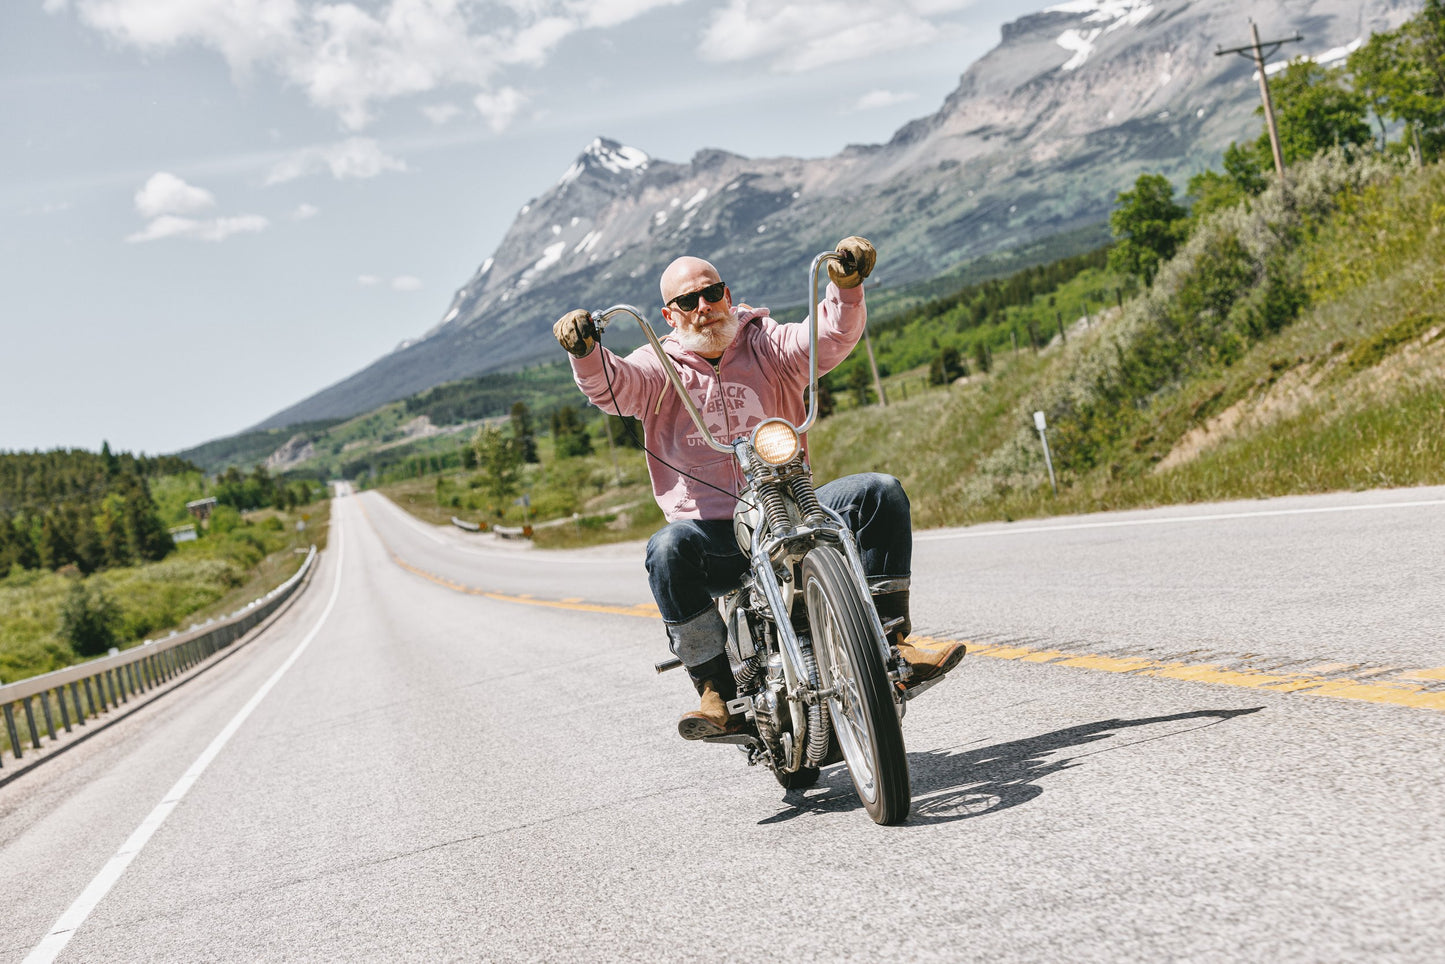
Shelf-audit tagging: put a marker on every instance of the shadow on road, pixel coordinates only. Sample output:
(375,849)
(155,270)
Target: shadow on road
(953,785)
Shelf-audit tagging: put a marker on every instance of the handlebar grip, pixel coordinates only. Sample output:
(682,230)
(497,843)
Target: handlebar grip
(668,664)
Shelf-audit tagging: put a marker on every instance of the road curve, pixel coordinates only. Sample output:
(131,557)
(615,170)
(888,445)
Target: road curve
(444,768)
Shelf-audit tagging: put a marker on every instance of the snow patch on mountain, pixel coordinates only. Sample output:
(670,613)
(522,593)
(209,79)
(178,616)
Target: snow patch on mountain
(1333,55)
(587,242)
(608,155)
(1113,13)
(551,254)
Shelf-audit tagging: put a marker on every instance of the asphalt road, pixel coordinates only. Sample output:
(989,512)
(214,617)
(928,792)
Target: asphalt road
(438,767)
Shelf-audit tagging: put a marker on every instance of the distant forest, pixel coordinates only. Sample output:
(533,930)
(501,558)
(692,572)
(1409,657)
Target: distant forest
(92,510)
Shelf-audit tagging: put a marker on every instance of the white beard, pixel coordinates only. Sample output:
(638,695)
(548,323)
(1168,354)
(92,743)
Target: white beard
(712,340)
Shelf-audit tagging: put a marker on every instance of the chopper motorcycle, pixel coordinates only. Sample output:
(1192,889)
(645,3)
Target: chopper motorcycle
(816,677)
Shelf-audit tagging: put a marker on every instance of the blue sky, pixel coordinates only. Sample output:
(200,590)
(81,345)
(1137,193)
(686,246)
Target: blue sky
(210,209)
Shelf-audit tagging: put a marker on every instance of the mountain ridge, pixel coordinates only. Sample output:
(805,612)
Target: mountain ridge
(1037,139)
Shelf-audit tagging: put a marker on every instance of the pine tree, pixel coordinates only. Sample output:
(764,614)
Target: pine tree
(115,547)
(569,435)
(522,431)
(56,546)
(89,554)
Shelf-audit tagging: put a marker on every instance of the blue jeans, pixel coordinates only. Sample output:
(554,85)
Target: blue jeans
(692,561)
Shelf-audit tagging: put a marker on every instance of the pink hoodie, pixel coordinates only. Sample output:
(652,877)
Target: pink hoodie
(763,374)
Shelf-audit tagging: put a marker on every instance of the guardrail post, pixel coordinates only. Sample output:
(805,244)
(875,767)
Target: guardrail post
(118,681)
(90,697)
(75,698)
(13,733)
(60,701)
(30,722)
(45,709)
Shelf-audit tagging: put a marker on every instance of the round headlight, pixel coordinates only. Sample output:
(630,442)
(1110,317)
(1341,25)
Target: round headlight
(775,441)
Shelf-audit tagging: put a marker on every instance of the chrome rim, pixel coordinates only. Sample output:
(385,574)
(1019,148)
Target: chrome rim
(850,721)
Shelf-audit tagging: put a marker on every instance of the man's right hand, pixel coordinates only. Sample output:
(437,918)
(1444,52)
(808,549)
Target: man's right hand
(575,332)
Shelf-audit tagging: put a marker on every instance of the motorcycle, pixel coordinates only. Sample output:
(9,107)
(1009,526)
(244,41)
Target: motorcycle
(816,677)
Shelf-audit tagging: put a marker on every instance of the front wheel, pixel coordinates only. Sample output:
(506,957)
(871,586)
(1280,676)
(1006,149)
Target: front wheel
(800,779)
(850,664)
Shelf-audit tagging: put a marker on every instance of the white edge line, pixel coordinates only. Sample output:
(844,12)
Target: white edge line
(75,915)
(1170,520)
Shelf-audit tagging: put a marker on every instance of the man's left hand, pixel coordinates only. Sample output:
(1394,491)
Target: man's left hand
(858,257)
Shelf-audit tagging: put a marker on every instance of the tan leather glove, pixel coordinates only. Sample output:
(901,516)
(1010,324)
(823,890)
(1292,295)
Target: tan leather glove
(575,332)
(858,259)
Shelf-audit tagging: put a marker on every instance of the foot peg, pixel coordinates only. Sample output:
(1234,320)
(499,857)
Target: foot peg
(914,692)
(739,739)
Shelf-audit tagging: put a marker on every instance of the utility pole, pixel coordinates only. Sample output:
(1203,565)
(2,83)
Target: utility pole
(872,362)
(1256,51)
(611,448)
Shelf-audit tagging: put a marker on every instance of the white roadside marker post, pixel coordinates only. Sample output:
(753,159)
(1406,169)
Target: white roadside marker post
(1043,437)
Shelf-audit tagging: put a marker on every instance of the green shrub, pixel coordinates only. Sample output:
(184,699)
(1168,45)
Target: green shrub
(224,518)
(89,620)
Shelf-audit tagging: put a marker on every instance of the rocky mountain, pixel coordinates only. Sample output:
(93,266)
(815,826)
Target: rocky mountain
(1038,138)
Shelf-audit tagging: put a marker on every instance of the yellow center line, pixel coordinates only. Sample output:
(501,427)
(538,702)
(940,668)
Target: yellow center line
(1399,687)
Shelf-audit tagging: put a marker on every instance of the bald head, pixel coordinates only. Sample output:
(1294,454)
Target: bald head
(686,274)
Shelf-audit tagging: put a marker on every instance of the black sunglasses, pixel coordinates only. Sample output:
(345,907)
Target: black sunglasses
(712,293)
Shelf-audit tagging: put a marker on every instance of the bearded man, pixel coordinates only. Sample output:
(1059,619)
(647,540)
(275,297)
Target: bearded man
(740,367)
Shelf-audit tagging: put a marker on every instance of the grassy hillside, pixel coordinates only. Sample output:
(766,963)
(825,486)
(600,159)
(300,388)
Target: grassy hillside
(1294,345)
(238,559)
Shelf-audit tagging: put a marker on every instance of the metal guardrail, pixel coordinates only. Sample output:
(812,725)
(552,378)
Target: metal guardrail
(464,524)
(513,532)
(94,688)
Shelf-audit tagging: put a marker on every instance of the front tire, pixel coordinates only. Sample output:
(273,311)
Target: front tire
(865,720)
(800,779)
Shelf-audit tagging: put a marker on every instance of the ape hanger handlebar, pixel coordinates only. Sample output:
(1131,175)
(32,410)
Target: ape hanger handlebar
(601,319)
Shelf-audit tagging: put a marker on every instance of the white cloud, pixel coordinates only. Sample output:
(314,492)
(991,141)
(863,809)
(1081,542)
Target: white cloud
(351,57)
(499,108)
(305,212)
(242,31)
(213,229)
(402,282)
(610,13)
(807,34)
(875,99)
(357,157)
(439,114)
(165,193)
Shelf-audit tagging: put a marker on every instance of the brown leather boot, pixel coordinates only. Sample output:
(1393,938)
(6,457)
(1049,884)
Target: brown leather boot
(709,719)
(929,658)
(715,685)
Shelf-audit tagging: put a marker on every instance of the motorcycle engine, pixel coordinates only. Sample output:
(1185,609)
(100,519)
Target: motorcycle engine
(770,707)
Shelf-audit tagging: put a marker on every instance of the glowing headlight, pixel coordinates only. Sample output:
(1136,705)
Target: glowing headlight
(775,441)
